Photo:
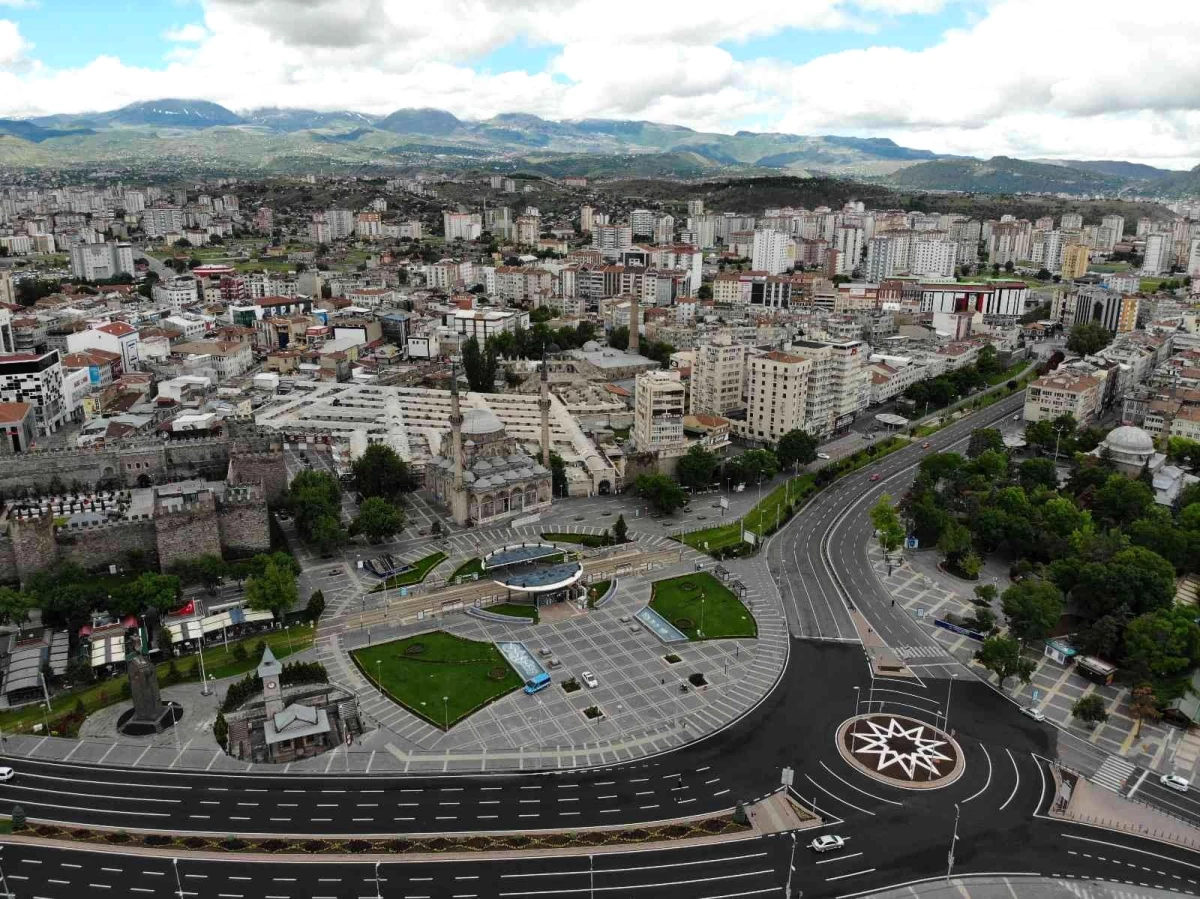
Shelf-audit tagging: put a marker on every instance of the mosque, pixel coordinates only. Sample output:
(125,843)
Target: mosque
(1131,451)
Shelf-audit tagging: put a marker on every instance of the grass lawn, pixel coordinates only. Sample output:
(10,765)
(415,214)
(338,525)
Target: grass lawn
(772,508)
(713,539)
(470,674)
(1009,373)
(678,599)
(469,567)
(581,539)
(513,610)
(419,572)
(218,661)
(595,591)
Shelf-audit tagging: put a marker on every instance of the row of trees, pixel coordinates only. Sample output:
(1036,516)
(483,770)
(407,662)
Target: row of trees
(1099,549)
(945,389)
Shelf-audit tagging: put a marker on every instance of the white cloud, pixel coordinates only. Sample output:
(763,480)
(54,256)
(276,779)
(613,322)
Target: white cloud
(191,33)
(1062,78)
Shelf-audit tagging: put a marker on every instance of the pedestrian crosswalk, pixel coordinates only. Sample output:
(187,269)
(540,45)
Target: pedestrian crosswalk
(920,652)
(1113,774)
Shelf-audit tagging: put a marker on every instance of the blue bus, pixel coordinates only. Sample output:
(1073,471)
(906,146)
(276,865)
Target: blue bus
(537,682)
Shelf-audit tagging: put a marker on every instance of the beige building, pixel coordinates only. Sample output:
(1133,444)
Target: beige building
(658,410)
(777,395)
(1074,261)
(718,378)
(1062,394)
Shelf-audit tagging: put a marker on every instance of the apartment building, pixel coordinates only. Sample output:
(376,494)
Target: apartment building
(98,261)
(611,240)
(1156,259)
(839,386)
(718,378)
(1117,312)
(777,395)
(772,252)
(1075,259)
(461,225)
(1063,393)
(658,410)
(37,380)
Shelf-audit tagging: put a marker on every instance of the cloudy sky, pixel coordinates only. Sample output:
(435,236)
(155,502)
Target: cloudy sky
(1104,79)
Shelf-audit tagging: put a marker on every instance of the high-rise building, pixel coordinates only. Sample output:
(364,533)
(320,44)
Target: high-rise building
(585,219)
(1116,224)
(934,258)
(695,207)
(1071,221)
(461,225)
(1052,251)
(97,261)
(529,229)
(341,223)
(664,229)
(1115,311)
(641,221)
(881,258)
(162,220)
(772,252)
(658,410)
(1075,261)
(777,395)
(1009,242)
(610,240)
(718,378)
(839,386)
(1156,259)
(1193,263)
(848,241)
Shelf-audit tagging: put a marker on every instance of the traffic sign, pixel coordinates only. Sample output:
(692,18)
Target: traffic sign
(787,777)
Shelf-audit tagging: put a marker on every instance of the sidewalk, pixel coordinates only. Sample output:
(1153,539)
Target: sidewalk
(1103,808)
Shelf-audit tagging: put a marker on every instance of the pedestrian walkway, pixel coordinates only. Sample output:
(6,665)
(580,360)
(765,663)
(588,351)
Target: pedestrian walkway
(1114,774)
(1097,806)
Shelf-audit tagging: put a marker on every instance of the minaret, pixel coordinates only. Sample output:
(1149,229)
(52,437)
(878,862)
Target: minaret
(458,497)
(632,349)
(544,406)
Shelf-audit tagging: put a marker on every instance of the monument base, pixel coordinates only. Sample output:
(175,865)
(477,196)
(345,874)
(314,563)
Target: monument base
(131,726)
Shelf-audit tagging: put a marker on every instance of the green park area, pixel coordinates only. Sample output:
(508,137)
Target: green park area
(702,607)
(514,610)
(438,676)
(415,575)
(596,591)
(589,540)
(220,662)
(466,569)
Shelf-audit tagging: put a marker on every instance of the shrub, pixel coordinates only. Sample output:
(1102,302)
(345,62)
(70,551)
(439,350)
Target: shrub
(697,679)
(18,818)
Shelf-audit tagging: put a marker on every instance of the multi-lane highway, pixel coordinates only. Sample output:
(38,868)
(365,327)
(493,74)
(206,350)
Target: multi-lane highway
(893,836)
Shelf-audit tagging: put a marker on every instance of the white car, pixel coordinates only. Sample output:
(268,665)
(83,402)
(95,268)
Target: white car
(1034,712)
(6,774)
(822,455)
(1174,782)
(589,679)
(827,843)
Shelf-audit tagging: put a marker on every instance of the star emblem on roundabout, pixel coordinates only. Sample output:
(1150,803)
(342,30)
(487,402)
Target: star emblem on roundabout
(906,746)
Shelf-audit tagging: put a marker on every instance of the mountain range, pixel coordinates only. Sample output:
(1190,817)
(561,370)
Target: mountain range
(177,133)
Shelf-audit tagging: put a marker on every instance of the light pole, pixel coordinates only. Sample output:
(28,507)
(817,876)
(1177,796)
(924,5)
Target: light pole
(949,690)
(854,726)
(953,840)
(701,614)
(288,630)
(1057,434)
(446,709)
(378,681)
(378,894)
(179,883)
(203,676)
(591,877)
(7,894)
(787,890)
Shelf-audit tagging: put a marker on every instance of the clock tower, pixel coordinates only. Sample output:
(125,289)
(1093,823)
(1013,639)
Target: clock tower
(271,671)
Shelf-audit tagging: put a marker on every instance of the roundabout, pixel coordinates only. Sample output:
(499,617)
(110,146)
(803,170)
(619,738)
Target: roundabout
(901,751)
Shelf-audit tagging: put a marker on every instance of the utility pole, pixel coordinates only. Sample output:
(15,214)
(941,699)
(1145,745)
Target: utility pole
(591,877)
(378,894)
(179,883)
(949,690)
(203,677)
(787,890)
(953,840)
(7,894)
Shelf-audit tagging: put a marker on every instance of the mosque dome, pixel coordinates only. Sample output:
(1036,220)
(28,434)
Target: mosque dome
(1128,441)
(481,421)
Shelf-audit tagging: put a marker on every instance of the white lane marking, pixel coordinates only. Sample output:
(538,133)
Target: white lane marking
(1165,858)
(840,858)
(987,783)
(646,886)
(864,792)
(839,798)
(844,876)
(699,861)
(1017,785)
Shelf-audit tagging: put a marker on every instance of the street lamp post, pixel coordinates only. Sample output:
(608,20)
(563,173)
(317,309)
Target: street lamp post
(787,889)
(288,630)
(949,690)
(179,883)
(203,676)
(378,681)
(7,894)
(854,726)
(446,709)
(701,614)
(378,894)
(591,877)
(953,840)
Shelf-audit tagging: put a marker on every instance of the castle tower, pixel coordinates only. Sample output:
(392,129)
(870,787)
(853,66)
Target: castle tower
(271,671)
(458,497)
(544,407)
(632,349)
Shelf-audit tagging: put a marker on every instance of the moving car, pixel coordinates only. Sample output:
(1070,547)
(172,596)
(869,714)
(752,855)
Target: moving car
(1034,712)
(1171,781)
(827,842)
(6,774)
(926,445)
(877,477)
(589,679)
(822,455)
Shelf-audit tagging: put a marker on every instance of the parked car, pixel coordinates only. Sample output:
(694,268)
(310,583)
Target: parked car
(1174,782)
(1034,712)
(827,842)
(589,679)
(6,774)
(877,477)
(822,455)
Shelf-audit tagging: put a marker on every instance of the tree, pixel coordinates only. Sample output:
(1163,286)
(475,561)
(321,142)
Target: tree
(755,466)
(316,606)
(887,524)
(1033,607)
(1090,710)
(984,439)
(313,495)
(274,590)
(621,530)
(796,447)
(14,606)
(377,520)
(1162,644)
(558,474)
(704,292)
(1043,274)
(1088,338)
(1143,705)
(987,362)
(327,535)
(696,468)
(663,494)
(479,367)
(1122,501)
(1002,656)
(618,338)
(954,542)
(221,730)
(380,471)
(150,591)
(985,595)
(1036,473)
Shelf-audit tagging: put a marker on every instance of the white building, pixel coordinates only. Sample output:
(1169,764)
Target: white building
(611,240)
(848,241)
(341,223)
(718,378)
(658,410)
(777,395)
(159,222)
(934,258)
(178,293)
(1157,257)
(839,387)
(36,379)
(115,337)
(773,252)
(461,225)
(641,222)
(97,261)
